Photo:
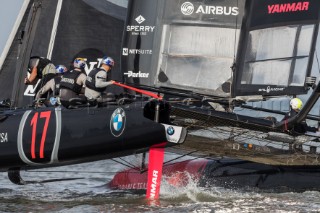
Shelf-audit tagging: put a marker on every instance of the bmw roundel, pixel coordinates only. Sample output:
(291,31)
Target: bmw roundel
(170,130)
(118,122)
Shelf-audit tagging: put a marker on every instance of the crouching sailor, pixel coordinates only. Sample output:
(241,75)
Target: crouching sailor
(73,81)
(40,68)
(302,127)
(54,84)
(96,82)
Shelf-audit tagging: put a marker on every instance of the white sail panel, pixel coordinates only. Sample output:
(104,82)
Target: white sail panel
(197,56)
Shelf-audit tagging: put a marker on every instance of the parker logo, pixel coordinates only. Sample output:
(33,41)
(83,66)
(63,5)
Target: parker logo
(3,137)
(140,19)
(289,7)
(188,8)
(137,75)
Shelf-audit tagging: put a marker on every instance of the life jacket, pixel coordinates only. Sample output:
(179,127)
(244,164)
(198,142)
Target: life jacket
(68,81)
(57,81)
(43,62)
(91,80)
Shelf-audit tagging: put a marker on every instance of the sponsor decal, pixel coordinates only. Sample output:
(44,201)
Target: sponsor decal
(138,29)
(156,155)
(3,137)
(30,90)
(270,89)
(170,130)
(136,75)
(154,184)
(133,186)
(67,80)
(140,19)
(288,7)
(126,52)
(187,8)
(118,122)
(92,65)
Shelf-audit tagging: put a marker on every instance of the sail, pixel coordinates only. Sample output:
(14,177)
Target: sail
(185,45)
(277,48)
(9,55)
(61,31)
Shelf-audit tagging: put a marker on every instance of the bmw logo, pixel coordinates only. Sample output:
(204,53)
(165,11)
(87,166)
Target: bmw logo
(170,130)
(118,122)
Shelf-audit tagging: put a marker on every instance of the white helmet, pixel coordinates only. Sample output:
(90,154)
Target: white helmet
(296,104)
(60,69)
(79,63)
(108,61)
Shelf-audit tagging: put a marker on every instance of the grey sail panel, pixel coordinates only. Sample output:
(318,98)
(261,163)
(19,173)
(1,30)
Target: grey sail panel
(89,29)
(278,46)
(9,66)
(182,45)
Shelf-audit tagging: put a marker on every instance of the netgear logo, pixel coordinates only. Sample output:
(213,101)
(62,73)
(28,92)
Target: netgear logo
(289,7)
(188,8)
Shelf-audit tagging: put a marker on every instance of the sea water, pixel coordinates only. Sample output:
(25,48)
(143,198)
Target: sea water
(91,195)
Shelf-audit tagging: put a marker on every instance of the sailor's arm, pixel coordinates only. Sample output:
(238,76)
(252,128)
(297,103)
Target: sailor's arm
(101,80)
(32,77)
(82,81)
(48,86)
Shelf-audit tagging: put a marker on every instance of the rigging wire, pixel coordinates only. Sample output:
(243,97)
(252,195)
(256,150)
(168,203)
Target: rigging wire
(318,61)
(127,164)
(235,35)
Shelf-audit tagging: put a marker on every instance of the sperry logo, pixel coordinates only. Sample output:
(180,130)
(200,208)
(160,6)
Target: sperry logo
(140,19)
(289,7)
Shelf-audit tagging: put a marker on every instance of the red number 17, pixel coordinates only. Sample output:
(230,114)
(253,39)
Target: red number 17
(33,123)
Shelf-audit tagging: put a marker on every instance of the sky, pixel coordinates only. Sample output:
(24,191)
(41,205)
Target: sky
(8,13)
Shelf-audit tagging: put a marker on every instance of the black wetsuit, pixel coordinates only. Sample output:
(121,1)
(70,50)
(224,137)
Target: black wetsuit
(299,128)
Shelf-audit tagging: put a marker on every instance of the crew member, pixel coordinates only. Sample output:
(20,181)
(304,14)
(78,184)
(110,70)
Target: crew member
(40,68)
(54,84)
(302,127)
(73,81)
(96,82)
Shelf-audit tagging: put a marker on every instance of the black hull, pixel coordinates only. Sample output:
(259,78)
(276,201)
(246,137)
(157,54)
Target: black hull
(44,137)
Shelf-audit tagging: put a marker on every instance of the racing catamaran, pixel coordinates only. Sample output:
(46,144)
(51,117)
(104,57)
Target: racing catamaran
(217,61)
(37,137)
